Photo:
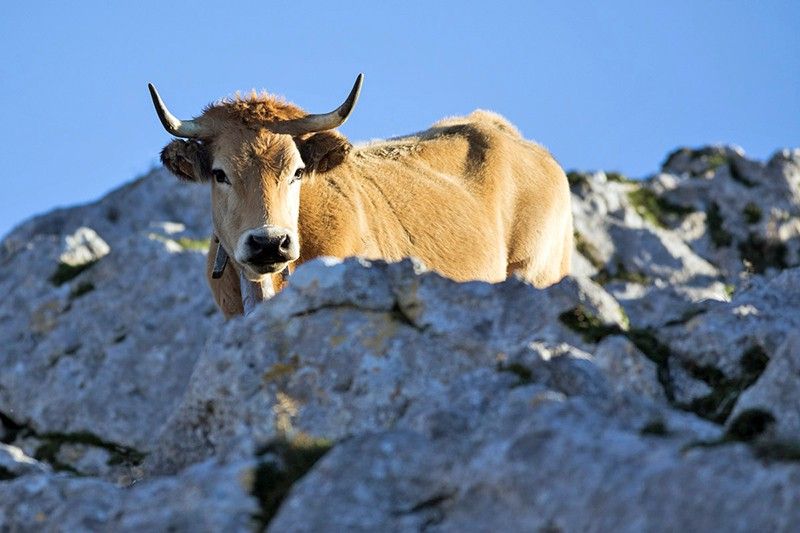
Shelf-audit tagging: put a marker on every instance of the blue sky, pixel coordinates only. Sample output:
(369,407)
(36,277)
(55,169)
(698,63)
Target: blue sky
(611,85)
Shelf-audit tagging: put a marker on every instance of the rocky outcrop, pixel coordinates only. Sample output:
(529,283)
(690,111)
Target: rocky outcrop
(655,389)
(553,465)
(354,347)
(206,497)
(102,326)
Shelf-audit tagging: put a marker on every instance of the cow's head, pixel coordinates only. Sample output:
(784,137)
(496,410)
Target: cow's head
(254,151)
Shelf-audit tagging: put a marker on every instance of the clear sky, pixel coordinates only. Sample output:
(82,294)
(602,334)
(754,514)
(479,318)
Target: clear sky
(604,85)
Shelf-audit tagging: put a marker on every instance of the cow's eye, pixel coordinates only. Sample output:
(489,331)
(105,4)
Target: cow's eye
(220,176)
(298,174)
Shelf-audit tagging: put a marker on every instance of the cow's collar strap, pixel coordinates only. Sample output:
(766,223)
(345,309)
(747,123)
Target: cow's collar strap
(221,261)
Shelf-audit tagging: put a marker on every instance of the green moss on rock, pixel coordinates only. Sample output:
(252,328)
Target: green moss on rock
(752,213)
(624,319)
(66,272)
(580,320)
(686,316)
(752,427)
(655,209)
(754,361)
(738,176)
(588,250)
(762,254)
(574,178)
(81,289)
(777,449)
(593,330)
(715,160)
(589,326)
(186,243)
(282,463)
(718,234)
(620,274)
(6,474)
(656,428)
(52,442)
(617,177)
(647,342)
(749,424)
(194,244)
(522,372)
(729,290)
(718,404)
(711,159)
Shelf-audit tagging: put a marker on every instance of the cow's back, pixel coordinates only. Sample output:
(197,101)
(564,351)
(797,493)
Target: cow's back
(469,196)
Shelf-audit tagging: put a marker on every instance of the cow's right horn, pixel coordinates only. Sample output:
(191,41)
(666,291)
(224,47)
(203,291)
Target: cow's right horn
(324,121)
(179,128)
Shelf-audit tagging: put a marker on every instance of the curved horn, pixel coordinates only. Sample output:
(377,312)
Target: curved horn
(325,121)
(179,128)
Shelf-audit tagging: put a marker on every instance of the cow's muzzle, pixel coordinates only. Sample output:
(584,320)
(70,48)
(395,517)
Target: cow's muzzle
(267,249)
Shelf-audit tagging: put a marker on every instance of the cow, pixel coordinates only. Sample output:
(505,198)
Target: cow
(469,197)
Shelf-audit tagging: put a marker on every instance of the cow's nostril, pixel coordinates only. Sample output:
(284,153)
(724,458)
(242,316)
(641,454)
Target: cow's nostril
(285,244)
(257,241)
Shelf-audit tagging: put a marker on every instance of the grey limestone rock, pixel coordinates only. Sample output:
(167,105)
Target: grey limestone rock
(776,393)
(206,497)
(654,389)
(540,462)
(349,346)
(101,326)
(14,463)
(628,368)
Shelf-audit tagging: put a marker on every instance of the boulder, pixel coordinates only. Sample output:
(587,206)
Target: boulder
(350,346)
(540,462)
(207,497)
(775,395)
(108,321)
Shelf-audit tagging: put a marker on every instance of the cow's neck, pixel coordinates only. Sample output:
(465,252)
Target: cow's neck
(251,292)
(323,207)
(254,292)
(327,224)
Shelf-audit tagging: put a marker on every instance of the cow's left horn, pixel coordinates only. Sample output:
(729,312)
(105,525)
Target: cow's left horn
(179,128)
(325,121)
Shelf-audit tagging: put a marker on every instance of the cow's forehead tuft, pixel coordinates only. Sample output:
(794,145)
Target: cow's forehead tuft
(253,111)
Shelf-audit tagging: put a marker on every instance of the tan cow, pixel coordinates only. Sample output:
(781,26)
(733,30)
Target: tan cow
(469,197)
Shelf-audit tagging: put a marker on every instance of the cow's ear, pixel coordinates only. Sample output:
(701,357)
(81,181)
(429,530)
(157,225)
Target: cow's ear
(324,151)
(187,159)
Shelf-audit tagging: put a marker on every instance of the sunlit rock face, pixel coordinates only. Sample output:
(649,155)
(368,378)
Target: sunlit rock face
(655,389)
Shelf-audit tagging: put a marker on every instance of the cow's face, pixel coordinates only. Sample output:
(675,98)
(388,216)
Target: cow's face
(255,196)
(255,168)
(255,178)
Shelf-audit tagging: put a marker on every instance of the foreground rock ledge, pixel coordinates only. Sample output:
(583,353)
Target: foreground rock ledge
(445,407)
